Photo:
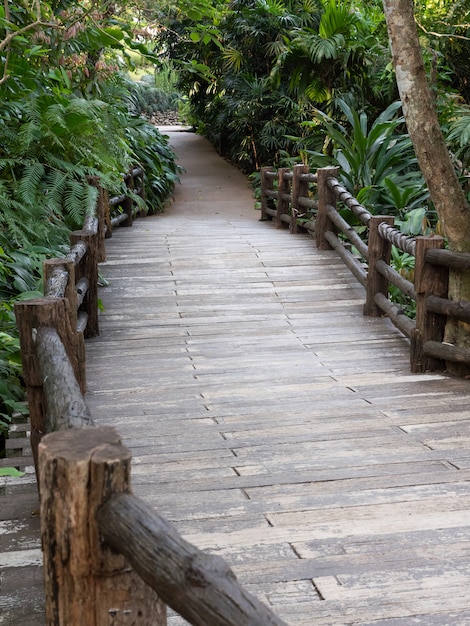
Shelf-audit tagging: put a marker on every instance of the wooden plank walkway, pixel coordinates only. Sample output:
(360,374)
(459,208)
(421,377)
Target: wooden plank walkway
(271,423)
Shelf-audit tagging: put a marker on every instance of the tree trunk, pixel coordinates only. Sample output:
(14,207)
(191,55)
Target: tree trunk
(431,151)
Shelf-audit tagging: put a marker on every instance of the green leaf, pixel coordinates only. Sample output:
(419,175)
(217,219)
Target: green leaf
(11,471)
(194,15)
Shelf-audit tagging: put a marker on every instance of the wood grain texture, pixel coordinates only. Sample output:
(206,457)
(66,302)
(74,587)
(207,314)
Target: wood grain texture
(271,423)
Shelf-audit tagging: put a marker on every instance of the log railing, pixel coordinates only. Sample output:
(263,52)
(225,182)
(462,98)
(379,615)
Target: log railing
(70,302)
(108,557)
(312,202)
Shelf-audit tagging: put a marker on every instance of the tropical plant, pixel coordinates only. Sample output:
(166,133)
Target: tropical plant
(65,117)
(372,156)
(458,137)
(12,396)
(146,99)
(404,264)
(151,150)
(339,54)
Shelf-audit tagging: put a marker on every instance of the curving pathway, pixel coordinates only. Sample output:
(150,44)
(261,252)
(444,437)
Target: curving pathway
(274,425)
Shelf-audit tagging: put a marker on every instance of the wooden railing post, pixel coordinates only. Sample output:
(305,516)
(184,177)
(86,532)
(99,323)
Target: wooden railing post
(379,249)
(326,197)
(299,189)
(429,280)
(266,183)
(30,316)
(76,342)
(104,221)
(283,187)
(139,178)
(103,216)
(128,203)
(128,209)
(85,581)
(88,268)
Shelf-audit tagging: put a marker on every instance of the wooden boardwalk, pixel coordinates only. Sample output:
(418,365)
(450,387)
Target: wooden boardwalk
(271,423)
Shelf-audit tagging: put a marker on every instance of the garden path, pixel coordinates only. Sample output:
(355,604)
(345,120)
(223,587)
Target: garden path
(271,422)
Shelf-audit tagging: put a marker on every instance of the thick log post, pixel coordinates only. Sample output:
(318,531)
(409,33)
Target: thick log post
(266,183)
(283,187)
(32,315)
(128,203)
(379,249)
(86,583)
(88,268)
(299,190)
(326,197)
(140,179)
(104,221)
(430,280)
(102,214)
(128,209)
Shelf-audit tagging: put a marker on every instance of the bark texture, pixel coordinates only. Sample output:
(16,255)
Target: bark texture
(423,125)
(431,150)
(86,583)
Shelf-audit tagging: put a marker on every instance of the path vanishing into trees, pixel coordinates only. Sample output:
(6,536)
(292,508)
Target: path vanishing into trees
(271,422)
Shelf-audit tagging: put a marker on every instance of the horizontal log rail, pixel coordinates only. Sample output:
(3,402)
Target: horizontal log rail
(70,302)
(121,210)
(108,557)
(312,203)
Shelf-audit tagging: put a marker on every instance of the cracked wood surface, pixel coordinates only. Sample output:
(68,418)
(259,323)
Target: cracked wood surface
(270,422)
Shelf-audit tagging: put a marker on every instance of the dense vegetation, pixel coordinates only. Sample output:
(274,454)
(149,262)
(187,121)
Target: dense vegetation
(271,82)
(261,75)
(69,111)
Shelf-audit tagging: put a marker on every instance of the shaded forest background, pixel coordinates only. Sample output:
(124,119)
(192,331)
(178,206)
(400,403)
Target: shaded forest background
(268,82)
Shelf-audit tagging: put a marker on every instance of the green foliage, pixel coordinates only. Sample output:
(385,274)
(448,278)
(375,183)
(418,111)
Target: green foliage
(11,472)
(404,264)
(65,117)
(444,27)
(151,150)
(280,60)
(377,161)
(459,137)
(11,389)
(147,99)
(59,142)
(337,55)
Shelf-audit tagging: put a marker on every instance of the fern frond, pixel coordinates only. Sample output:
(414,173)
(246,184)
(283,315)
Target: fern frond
(55,186)
(30,182)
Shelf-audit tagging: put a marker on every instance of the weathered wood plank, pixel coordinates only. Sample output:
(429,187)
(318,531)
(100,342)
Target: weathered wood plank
(272,423)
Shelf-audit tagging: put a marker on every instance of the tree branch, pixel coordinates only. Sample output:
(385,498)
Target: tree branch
(449,35)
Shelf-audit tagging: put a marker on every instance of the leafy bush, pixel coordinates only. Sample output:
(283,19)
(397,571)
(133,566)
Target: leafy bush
(377,162)
(12,397)
(50,144)
(146,99)
(151,150)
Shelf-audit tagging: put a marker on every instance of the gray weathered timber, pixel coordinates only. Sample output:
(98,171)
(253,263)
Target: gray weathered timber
(271,423)
(200,586)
